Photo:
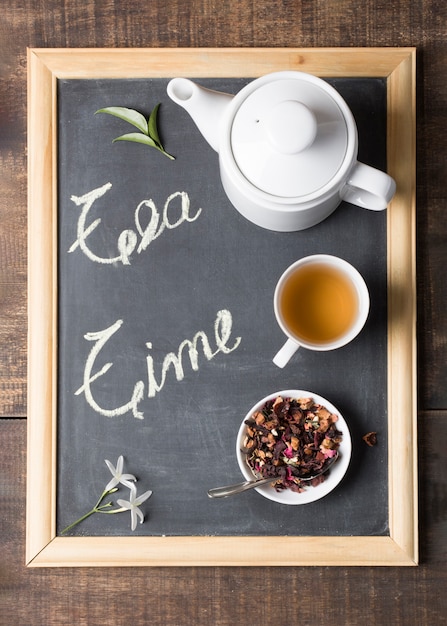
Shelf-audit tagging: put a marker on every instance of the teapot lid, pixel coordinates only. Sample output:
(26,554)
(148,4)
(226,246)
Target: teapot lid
(289,137)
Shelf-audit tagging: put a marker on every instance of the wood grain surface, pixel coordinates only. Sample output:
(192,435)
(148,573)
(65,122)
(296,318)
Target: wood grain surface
(221,596)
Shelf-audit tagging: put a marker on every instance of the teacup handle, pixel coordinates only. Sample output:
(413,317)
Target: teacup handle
(368,187)
(284,355)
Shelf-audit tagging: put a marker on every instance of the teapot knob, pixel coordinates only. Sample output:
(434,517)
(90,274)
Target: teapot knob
(291,127)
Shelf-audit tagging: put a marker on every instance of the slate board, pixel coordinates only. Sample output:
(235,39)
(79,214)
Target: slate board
(185,442)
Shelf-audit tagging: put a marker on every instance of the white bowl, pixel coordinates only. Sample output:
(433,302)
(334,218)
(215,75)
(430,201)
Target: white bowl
(337,471)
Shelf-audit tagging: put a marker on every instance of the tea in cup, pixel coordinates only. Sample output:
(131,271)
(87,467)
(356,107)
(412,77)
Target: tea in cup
(321,302)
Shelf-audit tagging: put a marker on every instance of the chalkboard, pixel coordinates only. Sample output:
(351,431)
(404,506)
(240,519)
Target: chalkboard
(129,304)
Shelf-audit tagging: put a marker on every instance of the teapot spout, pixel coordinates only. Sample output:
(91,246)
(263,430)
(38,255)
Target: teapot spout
(205,106)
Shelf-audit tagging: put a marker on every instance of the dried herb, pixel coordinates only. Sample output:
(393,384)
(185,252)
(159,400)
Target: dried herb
(290,438)
(370,439)
(148,134)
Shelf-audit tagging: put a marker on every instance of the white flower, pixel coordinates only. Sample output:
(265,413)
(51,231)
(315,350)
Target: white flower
(133,504)
(118,476)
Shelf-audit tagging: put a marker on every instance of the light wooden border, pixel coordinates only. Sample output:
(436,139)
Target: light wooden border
(43,547)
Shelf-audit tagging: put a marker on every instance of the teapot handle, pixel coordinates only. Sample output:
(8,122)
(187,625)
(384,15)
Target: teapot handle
(368,187)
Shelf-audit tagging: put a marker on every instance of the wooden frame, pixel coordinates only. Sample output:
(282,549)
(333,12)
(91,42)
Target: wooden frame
(43,547)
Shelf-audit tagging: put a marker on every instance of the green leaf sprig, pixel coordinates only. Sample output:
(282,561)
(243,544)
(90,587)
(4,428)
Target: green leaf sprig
(148,134)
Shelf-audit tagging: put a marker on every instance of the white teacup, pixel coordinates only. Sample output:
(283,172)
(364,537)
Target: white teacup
(321,302)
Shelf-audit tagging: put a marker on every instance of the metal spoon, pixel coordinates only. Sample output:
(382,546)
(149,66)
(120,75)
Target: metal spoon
(230,490)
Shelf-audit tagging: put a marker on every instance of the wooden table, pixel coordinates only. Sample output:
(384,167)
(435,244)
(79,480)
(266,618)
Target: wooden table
(314,595)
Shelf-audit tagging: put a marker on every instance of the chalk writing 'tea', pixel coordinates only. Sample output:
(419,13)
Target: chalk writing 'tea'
(127,242)
(222,334)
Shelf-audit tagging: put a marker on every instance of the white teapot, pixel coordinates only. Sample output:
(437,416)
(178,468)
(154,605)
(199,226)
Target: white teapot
(287,145)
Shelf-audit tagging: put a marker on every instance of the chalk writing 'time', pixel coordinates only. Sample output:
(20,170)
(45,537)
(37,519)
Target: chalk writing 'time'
(130,240)
(222,333)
